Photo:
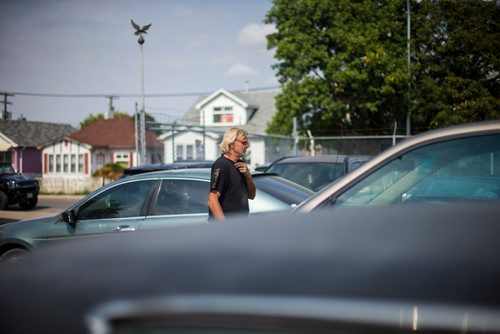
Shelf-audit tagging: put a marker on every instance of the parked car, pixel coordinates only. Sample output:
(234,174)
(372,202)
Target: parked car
(145,201)
(157,167)
(16,188)
(314,172)
(416,269)
(454,164)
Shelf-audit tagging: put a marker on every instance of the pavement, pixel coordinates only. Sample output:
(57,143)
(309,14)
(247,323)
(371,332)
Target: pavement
(48,205)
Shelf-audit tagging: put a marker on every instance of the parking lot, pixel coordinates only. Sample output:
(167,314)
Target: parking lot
(48,205)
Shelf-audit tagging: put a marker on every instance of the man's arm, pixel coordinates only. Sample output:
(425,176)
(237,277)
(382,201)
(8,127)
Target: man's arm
(250,185)
(214,205)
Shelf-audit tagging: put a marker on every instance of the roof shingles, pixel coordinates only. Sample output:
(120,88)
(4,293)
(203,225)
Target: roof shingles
(113,133)
(33,134)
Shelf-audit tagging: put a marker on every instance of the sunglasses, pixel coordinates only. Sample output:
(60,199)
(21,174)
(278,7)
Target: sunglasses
(244,142)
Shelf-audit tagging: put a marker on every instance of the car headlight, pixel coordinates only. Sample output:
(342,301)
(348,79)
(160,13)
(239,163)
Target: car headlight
(12,184)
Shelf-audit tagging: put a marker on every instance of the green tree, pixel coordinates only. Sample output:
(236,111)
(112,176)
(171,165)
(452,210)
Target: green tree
(91,118)
(110,171)
(457,48)
(342,64)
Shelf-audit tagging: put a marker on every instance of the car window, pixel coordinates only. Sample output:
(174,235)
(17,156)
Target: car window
(455,170)
(283,189)
(182,197)
(124,200)
(310,175)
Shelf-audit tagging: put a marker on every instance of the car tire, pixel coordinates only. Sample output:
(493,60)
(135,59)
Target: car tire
(4,200)
(14,255)
(28,204)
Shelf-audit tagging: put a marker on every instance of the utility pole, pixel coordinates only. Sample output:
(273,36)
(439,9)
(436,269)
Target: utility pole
(111,111)
(6,115)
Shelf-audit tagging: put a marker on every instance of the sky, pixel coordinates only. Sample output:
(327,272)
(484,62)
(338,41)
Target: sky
(61,58)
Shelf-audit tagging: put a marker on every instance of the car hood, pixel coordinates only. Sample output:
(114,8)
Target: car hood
(27,229)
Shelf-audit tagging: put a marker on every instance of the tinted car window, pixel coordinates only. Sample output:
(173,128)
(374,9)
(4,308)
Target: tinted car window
(285,190)
(182,197)
(454,170)
(310,175)
(124,200)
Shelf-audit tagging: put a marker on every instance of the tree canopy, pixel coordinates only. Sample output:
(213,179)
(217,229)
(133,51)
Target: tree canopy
(93,118)
(343,64)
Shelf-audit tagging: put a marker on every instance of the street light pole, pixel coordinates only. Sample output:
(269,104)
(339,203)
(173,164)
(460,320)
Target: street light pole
(143,112)
(141,31)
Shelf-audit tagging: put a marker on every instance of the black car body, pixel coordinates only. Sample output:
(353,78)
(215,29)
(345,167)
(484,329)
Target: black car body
(432,268)
(17,188)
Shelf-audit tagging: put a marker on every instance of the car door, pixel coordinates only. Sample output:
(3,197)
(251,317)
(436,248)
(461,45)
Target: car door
(117,209)
(180,201)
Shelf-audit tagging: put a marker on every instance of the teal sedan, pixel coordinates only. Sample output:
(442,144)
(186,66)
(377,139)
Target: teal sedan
(141,202)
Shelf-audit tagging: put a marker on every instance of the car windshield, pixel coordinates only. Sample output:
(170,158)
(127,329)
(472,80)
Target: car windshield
(6,169)
(455,170)
(310,175)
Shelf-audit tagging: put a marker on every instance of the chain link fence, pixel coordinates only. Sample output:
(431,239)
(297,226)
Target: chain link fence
(277,147)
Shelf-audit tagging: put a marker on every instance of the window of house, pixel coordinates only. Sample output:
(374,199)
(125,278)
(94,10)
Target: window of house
(223,115)
(73,163)
(122,159)
(58,163)
(199,149)
(65,163)
(6,156)
(51,163)
(80,163)
(179,152)
(189,152)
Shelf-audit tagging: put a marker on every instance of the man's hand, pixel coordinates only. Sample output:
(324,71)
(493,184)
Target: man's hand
(242,167)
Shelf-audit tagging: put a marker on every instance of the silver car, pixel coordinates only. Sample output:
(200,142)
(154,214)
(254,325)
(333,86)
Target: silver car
(454,164)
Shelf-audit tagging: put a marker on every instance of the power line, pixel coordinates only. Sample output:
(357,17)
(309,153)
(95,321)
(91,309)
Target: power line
(125,95)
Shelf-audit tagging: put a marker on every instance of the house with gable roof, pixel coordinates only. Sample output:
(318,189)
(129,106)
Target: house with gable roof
(69,162)
(19,141)
(201,129)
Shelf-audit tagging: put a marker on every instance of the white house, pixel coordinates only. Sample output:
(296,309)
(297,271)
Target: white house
(68,163)
(203,126)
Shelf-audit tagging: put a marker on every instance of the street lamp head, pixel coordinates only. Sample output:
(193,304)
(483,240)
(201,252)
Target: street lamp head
(140,40)
(140,31)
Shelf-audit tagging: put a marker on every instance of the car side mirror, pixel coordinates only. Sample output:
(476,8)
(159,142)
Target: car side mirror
(69,217)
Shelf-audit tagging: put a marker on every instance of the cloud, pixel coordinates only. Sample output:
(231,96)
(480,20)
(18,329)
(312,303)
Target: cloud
(240,69)
(255,34)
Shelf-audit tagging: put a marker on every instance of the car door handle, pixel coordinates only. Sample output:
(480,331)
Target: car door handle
(124,228)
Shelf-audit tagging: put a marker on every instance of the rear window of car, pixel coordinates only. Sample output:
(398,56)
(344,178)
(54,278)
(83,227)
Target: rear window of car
(310,175)
(285,190)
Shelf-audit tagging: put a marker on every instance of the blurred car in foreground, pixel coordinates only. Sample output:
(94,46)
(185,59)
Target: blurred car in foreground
(454,164)
(315,172)
(158,167)
(429,269)
(146,201)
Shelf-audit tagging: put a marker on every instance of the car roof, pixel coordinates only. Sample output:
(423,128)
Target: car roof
(413,255)
(331,158)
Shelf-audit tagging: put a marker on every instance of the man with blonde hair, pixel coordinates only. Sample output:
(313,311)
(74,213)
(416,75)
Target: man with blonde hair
(231,183)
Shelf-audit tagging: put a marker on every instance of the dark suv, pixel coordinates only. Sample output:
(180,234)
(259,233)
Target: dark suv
(17,188)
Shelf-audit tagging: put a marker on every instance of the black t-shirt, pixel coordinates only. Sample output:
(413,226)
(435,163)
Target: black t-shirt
(231,184)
